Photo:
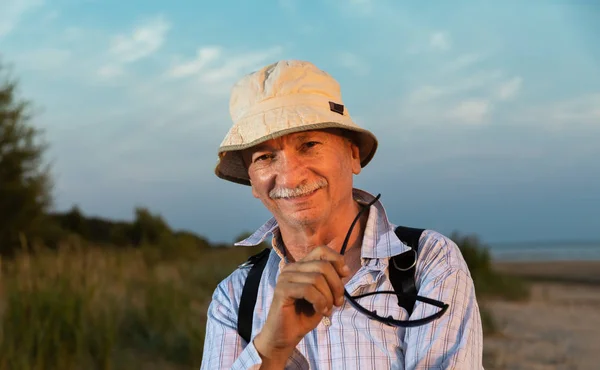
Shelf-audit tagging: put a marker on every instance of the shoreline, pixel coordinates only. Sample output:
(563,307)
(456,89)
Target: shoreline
(558,327)
(572,271)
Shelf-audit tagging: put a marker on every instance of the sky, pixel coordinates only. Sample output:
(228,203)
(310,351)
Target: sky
(487,113)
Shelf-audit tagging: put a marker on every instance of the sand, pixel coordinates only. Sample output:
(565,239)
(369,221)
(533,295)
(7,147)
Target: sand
(558,328)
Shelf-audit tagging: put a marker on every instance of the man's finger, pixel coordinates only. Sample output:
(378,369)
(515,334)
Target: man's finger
(324,268)
(315,278)
(307,292)
(327,254)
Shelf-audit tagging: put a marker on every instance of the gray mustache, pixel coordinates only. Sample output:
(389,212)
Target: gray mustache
(298,191)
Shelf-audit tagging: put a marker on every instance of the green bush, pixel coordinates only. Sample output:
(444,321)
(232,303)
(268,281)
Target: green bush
(488,283)
(487,322)
(85,307)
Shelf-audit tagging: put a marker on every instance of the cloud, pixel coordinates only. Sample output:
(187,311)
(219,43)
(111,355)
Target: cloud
(213,64)
(72,34)
(185,107)
(426,93)
(288,5)
(51,16)
(479,80)
(358,8)
(510,88)
(475,82)
(582,110)
(205,56)
(236,65)
(467,101)
(463,99)
(144,40)
(462,62)
(472,111)
(111,71)
(440,41)
(354,63)
(12,11)
(365,6)
(483,82)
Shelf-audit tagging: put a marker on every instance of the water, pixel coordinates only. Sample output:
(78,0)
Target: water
(545,251)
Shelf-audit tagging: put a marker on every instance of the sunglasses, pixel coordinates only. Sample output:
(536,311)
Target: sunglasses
(373,314)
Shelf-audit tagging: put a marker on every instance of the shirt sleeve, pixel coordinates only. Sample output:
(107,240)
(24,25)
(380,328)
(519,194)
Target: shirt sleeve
(454,341)
(223,347)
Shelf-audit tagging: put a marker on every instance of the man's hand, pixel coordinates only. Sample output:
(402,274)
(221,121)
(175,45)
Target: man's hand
(306,291)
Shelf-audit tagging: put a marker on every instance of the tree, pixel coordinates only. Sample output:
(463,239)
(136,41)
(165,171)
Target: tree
(75,221)
(25,187)
(149,228)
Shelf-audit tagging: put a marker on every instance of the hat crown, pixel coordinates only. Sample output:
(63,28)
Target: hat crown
(285,78)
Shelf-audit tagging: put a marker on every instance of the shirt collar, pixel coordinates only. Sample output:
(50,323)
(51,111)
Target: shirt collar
(379,239)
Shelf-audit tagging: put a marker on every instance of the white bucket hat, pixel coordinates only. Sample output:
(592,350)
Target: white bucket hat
(282,98)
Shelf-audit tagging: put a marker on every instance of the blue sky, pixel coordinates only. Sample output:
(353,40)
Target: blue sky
(487,113)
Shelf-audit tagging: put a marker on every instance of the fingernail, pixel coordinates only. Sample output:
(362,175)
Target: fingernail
(340,301)
(346,269)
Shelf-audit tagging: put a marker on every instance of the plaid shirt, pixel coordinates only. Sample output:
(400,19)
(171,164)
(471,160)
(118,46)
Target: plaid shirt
(353,341)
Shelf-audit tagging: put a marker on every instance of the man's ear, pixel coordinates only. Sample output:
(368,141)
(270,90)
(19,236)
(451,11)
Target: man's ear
(356,167)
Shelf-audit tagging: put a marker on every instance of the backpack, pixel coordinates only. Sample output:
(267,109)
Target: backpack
(402,278)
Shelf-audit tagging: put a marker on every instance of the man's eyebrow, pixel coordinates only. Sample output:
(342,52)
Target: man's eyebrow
(302,137)
(261,147)
(307,136)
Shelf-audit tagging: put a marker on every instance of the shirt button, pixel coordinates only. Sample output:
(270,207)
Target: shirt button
(326,321)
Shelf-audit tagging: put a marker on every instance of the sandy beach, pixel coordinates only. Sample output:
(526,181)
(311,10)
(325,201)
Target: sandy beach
(558,328)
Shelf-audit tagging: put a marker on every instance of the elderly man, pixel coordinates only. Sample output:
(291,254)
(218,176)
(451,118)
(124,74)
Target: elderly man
(314,301)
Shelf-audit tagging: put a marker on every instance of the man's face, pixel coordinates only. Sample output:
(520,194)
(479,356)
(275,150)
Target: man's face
(302,177)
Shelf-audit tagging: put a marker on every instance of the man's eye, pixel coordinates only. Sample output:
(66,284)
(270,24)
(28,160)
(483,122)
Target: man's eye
(311,144)
(262,157)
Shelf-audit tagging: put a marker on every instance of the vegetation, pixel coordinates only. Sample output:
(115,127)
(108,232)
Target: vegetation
(85,292)
(24,178)
(100,307)
(488,282)
(91,307)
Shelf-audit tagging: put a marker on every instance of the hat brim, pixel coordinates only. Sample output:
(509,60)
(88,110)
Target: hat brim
(231,166)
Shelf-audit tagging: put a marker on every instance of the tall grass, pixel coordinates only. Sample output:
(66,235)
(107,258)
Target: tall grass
(488,282)
(90,307)
(99,308)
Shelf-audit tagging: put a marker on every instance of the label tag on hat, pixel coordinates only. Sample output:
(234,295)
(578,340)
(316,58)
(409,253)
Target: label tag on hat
(337,108)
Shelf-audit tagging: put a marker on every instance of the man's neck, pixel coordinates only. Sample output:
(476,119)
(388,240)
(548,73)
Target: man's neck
(300,240)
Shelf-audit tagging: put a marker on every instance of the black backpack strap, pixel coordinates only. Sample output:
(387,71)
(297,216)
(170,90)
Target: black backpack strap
(402,268)
(250,291)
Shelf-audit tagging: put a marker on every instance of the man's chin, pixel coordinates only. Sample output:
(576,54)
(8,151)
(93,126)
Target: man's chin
(304,217)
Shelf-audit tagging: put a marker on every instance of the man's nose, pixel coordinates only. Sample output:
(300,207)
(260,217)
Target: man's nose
(291,170)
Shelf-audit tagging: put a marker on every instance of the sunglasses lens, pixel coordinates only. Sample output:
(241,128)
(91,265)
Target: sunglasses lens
(390,320)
